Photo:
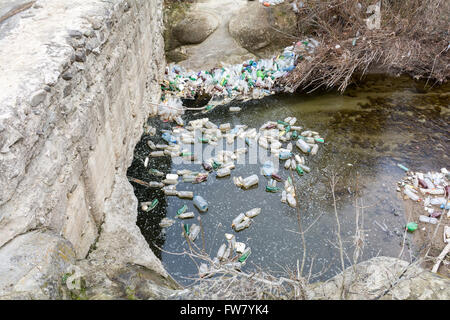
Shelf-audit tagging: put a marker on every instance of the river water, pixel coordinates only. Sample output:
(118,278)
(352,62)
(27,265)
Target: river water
(368,130)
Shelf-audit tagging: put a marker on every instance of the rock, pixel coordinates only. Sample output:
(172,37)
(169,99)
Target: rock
(32,266)
(59,163)
(383,278)
(37,97)
(253,28)
(80,56)
(67,76)
(194,29)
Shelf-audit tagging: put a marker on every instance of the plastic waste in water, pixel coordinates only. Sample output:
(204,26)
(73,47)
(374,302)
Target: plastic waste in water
(291,200)
(193,232)
(223,172)
(238,219)
(411,194)
(157,154)
(302,145)
(155,184)
(242,225)
(200,203)
(186,215)
(426,219)
(253,212)
(250,181)
(221,251)
(168,138)
(185,194)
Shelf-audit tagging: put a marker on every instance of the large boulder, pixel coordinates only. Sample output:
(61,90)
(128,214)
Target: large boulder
(195,27)
(263,30)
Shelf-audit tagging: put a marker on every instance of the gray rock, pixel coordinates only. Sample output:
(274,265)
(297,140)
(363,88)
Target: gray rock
(32,265)
(67,76)
(37,97)
(254,28)
(196,28)
(383,278)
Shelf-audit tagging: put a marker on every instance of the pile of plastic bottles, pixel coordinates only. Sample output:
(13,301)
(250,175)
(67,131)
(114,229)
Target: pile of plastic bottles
(249,80)
(431,189)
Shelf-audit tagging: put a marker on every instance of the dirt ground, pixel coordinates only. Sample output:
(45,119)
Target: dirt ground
(427,238)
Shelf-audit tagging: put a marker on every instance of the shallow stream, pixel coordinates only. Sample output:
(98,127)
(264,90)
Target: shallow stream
(368,130)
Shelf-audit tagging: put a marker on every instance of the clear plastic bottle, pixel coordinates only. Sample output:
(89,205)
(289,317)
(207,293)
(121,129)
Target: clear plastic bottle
(200,203)
(253,212)
(223,172)
(250,181)
(411,194)
(426,219)
(302,145)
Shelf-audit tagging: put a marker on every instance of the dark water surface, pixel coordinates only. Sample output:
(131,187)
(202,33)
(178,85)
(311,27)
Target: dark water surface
(374,127)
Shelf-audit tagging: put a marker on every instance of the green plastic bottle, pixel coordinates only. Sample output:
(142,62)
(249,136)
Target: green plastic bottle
(245,255)
(412,226)
(272,189)
(154,204)
(182,210)
(299,170)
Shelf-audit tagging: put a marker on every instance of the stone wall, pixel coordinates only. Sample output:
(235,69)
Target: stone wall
(76,77)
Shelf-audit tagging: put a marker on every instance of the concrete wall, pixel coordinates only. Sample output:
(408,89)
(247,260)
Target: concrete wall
(75,79)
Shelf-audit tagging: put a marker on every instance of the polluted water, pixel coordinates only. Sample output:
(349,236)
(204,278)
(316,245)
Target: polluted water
(304,139)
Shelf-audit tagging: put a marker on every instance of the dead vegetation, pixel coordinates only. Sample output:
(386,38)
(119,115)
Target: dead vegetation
(412,38)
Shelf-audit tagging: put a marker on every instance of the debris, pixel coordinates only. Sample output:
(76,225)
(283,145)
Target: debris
(200,203)
(411,226)
(166,222)
(148,206)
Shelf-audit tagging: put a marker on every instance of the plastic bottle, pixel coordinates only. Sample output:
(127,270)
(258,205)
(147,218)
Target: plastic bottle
(223,172)
(314,149)
(253,212)
(291,200)
(170,192)
(287,164)
(185,194)
(272,189)
(155,184)
(168,138)
(426,219)
(283,196)
(157,154)
(186,215)
(276,177)
(302,145)
(438,201)
(411,194)
(244,224)
(285,155)
(238,219)
(193,232)
(250,181)
(411,226)
(182,210)
(221,251)
(151,145)
(305,168)
(299,170)
(245,255)
(200,203)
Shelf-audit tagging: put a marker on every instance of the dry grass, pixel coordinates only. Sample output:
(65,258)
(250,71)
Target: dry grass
(413,39)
